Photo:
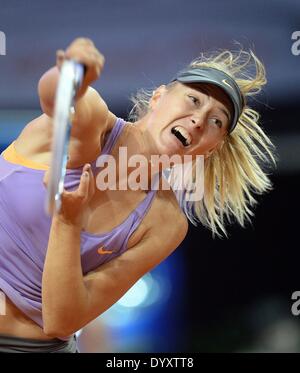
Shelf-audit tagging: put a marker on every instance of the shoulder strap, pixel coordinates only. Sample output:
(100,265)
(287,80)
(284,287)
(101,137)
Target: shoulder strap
(113,136)
(143,207)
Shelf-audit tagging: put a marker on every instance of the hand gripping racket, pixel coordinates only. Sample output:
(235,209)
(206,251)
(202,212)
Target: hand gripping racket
(71,76)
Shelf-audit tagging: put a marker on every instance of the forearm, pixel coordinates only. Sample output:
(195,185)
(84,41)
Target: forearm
(47,90)
(64,295)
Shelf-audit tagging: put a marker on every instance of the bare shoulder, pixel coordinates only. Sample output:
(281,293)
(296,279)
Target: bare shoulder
(169,222)
(164,226)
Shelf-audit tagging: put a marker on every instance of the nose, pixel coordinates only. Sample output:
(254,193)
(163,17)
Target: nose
(198,121)
(200,116)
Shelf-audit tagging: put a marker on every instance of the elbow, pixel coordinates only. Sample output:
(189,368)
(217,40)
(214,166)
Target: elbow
(47,90)
(51,333)
(47,109)
(57,331)
(59,328)
(46,104)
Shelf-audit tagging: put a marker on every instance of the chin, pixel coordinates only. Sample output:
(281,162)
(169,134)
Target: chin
(169,151)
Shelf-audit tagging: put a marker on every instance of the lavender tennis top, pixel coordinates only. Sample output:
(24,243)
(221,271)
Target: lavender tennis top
(25,227)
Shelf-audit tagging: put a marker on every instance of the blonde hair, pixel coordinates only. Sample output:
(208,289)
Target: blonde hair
(239,168)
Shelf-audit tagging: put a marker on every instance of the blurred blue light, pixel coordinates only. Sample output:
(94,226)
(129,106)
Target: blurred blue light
(136,295)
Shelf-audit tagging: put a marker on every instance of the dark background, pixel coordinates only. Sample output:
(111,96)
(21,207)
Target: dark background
(231,294)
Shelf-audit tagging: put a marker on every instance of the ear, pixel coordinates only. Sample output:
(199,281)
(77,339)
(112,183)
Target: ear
(156,96)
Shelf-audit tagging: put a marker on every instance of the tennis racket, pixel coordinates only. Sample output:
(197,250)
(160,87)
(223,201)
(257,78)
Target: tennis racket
(71,76)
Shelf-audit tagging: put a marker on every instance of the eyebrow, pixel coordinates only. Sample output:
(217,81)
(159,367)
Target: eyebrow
(208,93)
(225,112)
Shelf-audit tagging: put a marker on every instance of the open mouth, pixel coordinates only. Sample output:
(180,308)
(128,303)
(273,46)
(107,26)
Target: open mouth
(182,135)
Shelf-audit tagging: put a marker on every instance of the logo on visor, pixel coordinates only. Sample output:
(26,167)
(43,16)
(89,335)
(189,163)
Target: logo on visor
(225,82)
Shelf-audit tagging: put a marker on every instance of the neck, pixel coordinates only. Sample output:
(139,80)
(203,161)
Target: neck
(139,149)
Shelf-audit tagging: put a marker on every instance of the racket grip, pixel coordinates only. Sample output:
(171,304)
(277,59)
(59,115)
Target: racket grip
(79,73)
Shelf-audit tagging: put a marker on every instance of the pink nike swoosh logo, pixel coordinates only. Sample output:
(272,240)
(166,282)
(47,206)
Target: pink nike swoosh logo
(101,251)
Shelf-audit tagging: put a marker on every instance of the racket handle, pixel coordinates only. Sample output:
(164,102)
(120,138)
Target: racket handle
(79,73)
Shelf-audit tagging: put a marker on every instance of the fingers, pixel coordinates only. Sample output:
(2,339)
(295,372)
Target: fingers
(83,188)
(84,51)
(75,204)
(60,57)
(91,182)
(86,187)
(83,41)
(91,190)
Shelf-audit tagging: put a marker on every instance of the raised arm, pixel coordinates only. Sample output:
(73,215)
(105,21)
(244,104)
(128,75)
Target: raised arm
(92,118)
(90,109)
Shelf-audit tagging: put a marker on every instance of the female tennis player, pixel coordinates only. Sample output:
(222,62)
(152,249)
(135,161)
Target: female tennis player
(60,272)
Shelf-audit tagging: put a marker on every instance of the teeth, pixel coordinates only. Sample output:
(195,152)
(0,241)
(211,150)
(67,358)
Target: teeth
(182,134)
